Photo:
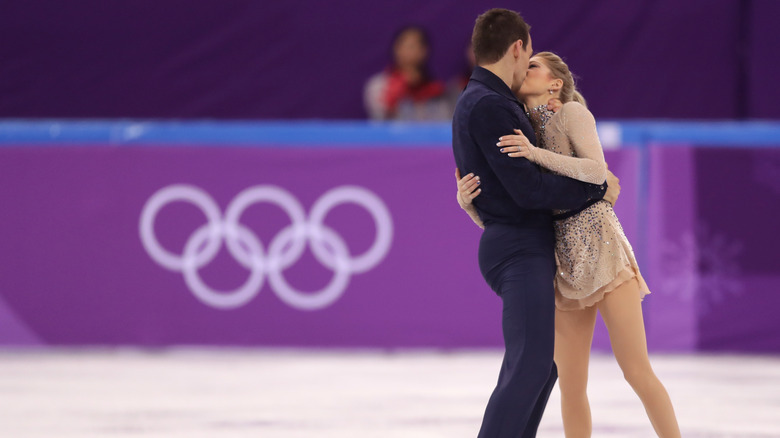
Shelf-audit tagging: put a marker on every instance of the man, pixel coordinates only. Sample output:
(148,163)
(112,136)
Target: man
(516,252)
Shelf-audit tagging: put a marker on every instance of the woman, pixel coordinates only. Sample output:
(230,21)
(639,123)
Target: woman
(597,270)
(406,90)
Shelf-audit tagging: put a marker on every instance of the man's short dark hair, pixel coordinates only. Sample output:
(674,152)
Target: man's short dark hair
(494,32)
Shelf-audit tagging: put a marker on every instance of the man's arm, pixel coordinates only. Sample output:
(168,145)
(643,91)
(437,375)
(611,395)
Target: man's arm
(529,187)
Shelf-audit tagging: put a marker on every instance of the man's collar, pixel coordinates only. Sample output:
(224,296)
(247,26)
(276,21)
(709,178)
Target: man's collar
(487,77)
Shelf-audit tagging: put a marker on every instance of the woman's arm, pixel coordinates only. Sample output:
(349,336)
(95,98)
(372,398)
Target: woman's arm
(373,97)
(467,191)
(580,128)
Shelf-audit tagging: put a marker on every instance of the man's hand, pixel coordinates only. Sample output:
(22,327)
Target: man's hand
(554,105)
(613,188)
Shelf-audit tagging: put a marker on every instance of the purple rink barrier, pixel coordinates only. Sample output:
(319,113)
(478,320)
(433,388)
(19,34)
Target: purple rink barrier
(380,255)
(76,270)
(712,246)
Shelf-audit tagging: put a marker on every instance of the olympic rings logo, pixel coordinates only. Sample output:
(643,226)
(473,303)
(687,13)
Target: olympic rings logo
(284,250)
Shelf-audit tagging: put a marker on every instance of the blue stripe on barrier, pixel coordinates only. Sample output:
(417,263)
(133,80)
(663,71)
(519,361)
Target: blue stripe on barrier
(725,133)
(305,133)
(355,133)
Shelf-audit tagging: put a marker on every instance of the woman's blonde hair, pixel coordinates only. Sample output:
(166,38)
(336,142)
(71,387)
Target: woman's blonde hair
(560,70)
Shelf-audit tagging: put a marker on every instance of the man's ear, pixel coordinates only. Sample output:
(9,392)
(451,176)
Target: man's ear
(517,47)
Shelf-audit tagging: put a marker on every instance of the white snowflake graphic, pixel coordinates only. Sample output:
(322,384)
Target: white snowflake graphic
(702,265)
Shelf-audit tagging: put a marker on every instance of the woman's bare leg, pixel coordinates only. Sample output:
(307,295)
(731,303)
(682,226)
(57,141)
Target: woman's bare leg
(622,313)
(573,337)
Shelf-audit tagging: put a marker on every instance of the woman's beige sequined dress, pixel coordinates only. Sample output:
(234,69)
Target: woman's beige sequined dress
(592,252)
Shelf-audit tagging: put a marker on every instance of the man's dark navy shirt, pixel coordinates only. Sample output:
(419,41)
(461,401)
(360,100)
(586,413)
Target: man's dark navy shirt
(514,190)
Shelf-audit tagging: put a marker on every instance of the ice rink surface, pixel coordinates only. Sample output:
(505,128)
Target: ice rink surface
(295,394)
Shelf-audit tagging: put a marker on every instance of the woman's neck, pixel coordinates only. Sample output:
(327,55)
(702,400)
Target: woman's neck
(534,101)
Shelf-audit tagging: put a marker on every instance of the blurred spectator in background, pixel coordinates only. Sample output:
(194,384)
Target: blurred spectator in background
(406,90)
(458,83)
